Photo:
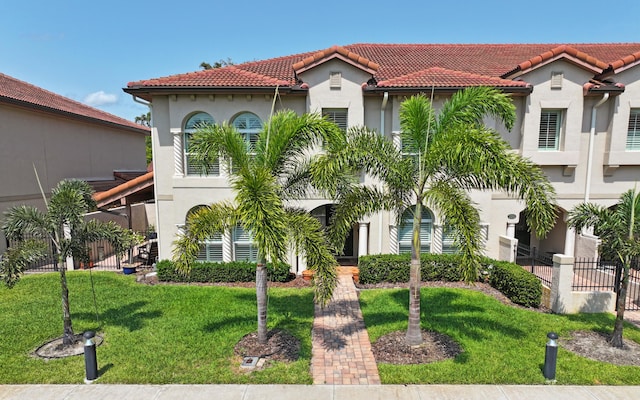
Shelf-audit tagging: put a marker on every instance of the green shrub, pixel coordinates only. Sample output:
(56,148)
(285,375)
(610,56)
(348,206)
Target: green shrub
(519,285)
(234,271)
(395,268)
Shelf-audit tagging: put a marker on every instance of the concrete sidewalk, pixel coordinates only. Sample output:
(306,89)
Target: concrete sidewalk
(316,392)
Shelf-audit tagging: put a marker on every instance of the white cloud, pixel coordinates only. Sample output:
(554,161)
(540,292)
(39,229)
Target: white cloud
(100,98)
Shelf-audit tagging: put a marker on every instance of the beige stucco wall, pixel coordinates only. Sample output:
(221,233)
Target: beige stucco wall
(565,168)
(59,147)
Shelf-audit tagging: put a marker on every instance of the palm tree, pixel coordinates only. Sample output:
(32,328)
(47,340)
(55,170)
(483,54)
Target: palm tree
(442,158)
(63,225)
(619,231)
(263,177)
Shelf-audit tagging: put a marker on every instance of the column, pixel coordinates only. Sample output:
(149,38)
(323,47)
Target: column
(363,239)
(511,229)
(570,241)
(178,157)
(227,246)
(436,240)
(393,239)
(561,281)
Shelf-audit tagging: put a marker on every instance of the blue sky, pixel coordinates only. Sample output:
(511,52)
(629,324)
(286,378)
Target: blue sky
(89,50)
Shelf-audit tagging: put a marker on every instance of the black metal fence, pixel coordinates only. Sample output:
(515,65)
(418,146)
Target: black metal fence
(603,275)
(539,264)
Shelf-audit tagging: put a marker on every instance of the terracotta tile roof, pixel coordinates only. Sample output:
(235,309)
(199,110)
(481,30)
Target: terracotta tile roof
(333,52)
(125,189)
(625,61)
(440,77)
(18,92)
(394,61)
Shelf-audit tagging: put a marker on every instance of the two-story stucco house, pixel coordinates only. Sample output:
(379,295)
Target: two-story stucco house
(578,117)
(60,138)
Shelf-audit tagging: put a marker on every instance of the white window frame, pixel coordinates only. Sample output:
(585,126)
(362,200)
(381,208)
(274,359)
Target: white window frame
(550,131)
(243,239)
(633,130)
(249,125)
(339,116)
(211,249)
(449,245)
(193,123)
(405,231)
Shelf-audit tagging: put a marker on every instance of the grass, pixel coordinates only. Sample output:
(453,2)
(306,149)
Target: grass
(502,344)
(152,334)
(186,334)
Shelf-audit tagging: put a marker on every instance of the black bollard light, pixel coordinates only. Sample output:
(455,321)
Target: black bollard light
(551,357)
(90,360)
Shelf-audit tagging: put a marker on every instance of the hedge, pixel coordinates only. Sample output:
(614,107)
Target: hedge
(519,285)
(234,271)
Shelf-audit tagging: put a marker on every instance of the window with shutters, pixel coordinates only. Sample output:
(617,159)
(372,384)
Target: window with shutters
(249,125)
(192,167)
(449,245)
(405,232)
(633,133)
(243,247)
(211,249)
(550,130)
(338,116)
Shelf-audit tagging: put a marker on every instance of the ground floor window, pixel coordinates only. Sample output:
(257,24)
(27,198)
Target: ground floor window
(243,246)
(406,231)
(211,249)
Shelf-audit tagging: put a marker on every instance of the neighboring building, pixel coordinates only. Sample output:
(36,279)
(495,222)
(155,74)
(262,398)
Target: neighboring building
(61,138)
(568,97)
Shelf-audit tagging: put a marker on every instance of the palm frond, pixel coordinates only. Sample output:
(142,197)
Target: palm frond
(218,142)
(17,258)
(418,122)
(307,235)
(25,220)
(470,106)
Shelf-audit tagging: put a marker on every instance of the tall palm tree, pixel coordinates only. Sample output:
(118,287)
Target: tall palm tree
(619,230)
(263,177)
(63,225)
(443,156)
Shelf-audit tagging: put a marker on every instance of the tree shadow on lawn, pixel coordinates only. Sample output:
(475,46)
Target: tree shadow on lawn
(444,313)
(127,315)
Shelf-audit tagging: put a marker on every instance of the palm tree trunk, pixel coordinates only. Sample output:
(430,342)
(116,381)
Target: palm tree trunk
(414,334)
(68,335)
(261,296)
(616,336)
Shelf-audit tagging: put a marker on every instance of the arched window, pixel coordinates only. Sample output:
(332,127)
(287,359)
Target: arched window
(211,248)
(406,231)
(195,122)
(249,125)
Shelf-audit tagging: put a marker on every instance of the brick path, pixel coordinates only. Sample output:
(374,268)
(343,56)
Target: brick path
(341,347)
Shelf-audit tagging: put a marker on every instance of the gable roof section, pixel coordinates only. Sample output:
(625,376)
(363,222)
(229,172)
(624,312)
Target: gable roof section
(563,51)
(445,78)
(20,93)
(332,53)
(626,62)
(402,64)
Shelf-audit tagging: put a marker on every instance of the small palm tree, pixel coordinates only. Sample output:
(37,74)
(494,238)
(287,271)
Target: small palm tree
(619,230)
(63,225)
(443,157)
(263,178)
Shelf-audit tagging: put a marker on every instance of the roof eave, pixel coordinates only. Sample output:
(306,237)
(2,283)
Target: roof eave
(147,92)
(524,90)
(84,118)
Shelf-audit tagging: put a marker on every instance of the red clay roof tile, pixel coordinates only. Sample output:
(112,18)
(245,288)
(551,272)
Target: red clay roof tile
(26,94)
(390,62)
(440,77)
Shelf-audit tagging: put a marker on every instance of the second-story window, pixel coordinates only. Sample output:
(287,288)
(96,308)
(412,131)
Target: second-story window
(550,130)
(192,167)
(337,115)
(249,125)
(633,133)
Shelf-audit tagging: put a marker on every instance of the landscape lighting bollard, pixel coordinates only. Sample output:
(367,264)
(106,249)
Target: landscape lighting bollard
(551,357)
(90,361)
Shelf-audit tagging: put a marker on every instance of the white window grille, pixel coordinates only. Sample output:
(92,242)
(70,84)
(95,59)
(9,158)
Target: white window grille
(550,128)
(194,123)
(633,133)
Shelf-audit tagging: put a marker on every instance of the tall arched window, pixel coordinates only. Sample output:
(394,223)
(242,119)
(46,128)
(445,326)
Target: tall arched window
(195,122)
(406,231)
(249,125)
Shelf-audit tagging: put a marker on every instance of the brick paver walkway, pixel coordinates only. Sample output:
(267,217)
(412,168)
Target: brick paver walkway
(341,347)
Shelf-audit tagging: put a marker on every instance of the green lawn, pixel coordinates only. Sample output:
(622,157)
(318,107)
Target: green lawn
(186,334)
(502,344)
(152,334)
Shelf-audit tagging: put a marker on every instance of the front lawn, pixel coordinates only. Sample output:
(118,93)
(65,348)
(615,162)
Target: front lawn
(152,334)
(502,344)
